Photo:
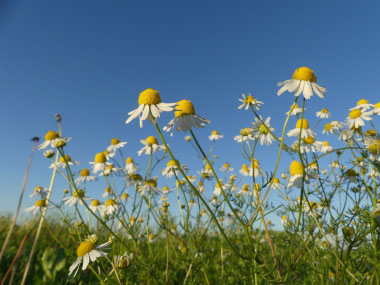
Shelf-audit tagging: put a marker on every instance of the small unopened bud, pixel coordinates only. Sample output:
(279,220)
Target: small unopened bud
(35,139)
(49,153)
(58,117)
(65,191)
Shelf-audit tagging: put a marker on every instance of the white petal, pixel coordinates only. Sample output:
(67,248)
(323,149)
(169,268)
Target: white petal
(145,113)
(300,88)
(133,114)
(307,91)
(86,261)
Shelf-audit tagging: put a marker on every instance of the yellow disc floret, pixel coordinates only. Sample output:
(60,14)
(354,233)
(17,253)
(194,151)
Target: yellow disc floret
(78,193)
(40,203)
(171,163)
(374,147)
(85,247)
(110,202)
(249,99)
(115,141)
(324,111)
(129,160)
(355,114)
(377,105)
(309,140)
(214,133)
(328,127)
(325,143)
(244,167)
(100,158)
(149,97)
(275,180)
(151,183)
(302,122)
(296,168)
(245,132)
(67,158)
(84,172)
(51,135)
(184,107)
(95,203)
(362,102)
(304,73)
(151,140)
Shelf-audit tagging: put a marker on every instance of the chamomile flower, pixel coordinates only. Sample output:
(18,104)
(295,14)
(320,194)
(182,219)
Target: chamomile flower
(296,110)
(63,162)
(100,163)
(149,186)
(84,176)
(171,169)
(201,187)
(296,172)
(246,134)
(150,107)
(326,147)
(362,105)
(215,136)
(110,206)
(206,172)
(107,192)
(351,175)
(187,138)
(373,147)
(86,251)
(255,169)
(356,117)
(192,179)
(40,205)
(312,208)
(226,167)
(337,165)
(134,179)
(115,145)
(95,206)
(248,101)
(376,109)
(49,153)
(130,166)
(110,169)
(276,184)
(310,144)
(123,261)
(323,114)
(263,131)
(166,190)
(302,127)
(304,81)
(151,146)
(51,139)
(109,154)
(218,188)
(244,170)
(78,196)
(185,118)
(284,220)
(245,190)
(39,190)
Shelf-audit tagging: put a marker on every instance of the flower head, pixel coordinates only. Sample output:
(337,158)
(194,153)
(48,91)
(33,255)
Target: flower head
(248,101)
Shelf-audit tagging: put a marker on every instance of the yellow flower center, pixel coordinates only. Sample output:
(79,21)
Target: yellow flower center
(257,187)
(303,122)
(263,129)
(355,114)
(377,105)
(244,167)
(371,133)
(129,160)
(110,166)
(328,127)
(245,187)
(351,173)
(171,163)
(374,147)
(296,168)
(325,143)
(255,163)
(226,165)
(110,202)
(85,247)
(151,140)
(107,190)
(362,102)
(62,159)
(151,182)
(78,193)
(136,177)
(324,111)
(304,73)
(84,172)
(249,99)
(149,97)
(245,132)
(275,180)
(313,165)
(100,158)
(51,135)
(40,203)
(115,141)
(309,140)
(125,196)
(184,107)
(214,133)
(38,188)
(95,203)
(208,167)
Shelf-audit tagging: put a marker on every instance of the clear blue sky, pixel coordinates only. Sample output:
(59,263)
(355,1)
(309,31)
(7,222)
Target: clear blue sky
(88,61)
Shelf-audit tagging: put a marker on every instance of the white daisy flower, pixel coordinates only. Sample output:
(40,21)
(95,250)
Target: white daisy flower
(171,169)
(218,189)
(49,153)
(326,147)
(263,131)
(276,184)
(151,146)
(185,118)
(248,101)
(304,81)
(312,208)
(95,206)
(110,206)
(100,162)
(149,186)
(86,251)
(39,190)
(109,154)
(323,114)
(373,147)
(130,166)
(115,145)
(245,190)
(351,175)
(284,220)
(134,179)
(376,109)
(84,176)
(201,187)
(296,110)
(244,170)
(192,179)
(166,190)
(246,134)
(255,169)
(107,192)
(150,107)
(302,127)
(38,206)
(63,162)
(356,117)
(226,167)
(296,172)
(206,172)
(310,144)
(346,135)
(75,198)
(110,169)
(362,105)
(337,165)
(51,139)
(123,261)
(214,200)
(215,136)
